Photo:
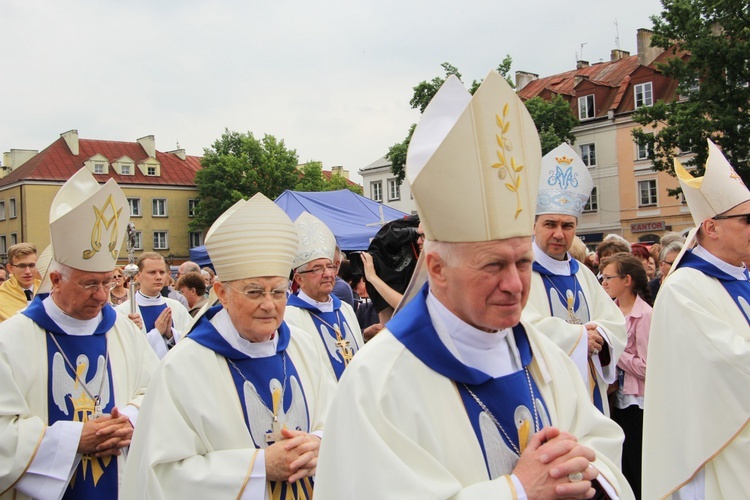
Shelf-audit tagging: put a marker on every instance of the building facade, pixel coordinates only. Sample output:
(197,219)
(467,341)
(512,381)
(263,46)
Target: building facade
(160,188)
(381,185)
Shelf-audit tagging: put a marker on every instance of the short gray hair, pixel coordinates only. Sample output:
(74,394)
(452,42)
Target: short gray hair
(675,246)
(57,267)
(449,252)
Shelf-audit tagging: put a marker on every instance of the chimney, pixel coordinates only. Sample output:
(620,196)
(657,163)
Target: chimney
(646,53)
(523,78)
(71,139)
(17,157)
(148,143)
(618,54)
(179,153)
(582,64)
(339,170)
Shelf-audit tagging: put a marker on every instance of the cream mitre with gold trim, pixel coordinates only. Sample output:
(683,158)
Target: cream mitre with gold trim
(720,189)
(88,223)
(252,239)
(565,184)
(316,241)
(473,163)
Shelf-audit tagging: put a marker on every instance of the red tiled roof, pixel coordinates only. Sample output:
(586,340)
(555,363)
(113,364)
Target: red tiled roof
(56,163)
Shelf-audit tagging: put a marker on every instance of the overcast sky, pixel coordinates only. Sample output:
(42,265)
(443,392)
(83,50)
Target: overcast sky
(332,79)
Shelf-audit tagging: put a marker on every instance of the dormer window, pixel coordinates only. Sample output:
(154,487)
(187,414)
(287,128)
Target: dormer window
(124,166)
(98,168)
(644,95)
(125,169)
(150,167)
(151,171)
(97,164)
(586,109)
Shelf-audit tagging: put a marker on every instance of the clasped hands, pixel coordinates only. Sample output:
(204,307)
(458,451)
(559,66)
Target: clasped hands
(106,435)
(293,458)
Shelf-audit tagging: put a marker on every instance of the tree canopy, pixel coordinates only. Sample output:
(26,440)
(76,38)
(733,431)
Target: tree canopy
(553,119)
(710,41)
(238,166)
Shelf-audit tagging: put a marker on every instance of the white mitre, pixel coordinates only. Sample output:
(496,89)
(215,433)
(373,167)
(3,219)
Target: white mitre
(252,239)
(565,184)
(473,163)
(88,223)
(316,241)
(720,189)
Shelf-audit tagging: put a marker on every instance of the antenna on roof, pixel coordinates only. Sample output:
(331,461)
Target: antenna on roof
(617,35)
(178,144)
(580,54)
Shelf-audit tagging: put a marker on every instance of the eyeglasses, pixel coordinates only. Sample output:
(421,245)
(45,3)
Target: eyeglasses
(319,270)
(607,278)
(735,216)
(258,294)
(24,266)
(92,288)
(666,262)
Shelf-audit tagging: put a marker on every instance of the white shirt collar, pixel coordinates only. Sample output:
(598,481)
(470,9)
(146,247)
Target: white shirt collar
(734,271)
(144,300)
(223,324)
(325,307)
(69,325)
(559,267)
(493,353)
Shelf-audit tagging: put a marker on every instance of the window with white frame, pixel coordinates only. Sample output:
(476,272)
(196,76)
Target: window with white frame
(161,240)
(13,238)
(125,169)
(159,207)
(394,190)
(588,154)
(135,207)
(150,170)
(195,238)
(3,244)
(593,204)
(2,210)
(647,193)
(12,208)
(98,168)
(586,108)
(138,243)
(191,207)
(376,191)
(643,148)
(644,95)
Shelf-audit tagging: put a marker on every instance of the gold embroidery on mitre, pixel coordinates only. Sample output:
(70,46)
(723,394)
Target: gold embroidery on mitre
(507,168)
(96,231)
(564,160)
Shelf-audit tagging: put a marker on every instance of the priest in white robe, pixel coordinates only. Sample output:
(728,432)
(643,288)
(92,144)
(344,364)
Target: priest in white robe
(567,303)
(236,409)
(696,438)
(331,323)
(72,371)
(457,398)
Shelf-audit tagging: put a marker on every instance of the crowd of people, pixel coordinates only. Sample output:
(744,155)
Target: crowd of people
(477,351)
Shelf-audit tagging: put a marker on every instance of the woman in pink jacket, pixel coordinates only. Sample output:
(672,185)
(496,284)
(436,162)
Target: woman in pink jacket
(625,280)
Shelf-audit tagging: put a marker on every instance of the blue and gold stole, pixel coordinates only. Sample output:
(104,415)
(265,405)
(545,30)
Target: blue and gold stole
(513,400)
(739,290)
(264,391)
(558,286)
(68,401)
(339,353)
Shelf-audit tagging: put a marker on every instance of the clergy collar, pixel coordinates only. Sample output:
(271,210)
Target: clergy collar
(223,324)
(37,312)
(558,267)
(325,307)
(737,273)
(72,326)
(144,300)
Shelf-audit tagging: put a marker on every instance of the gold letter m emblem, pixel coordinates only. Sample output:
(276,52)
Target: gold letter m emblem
(96,231)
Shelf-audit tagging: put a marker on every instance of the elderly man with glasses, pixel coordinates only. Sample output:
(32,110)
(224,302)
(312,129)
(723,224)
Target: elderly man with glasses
(331,322)
(19,289)
(695,427)
(236,409)
(72,371)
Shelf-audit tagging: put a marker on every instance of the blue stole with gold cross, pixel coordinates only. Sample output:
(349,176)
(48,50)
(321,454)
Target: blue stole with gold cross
(270,392)
(341,346)
(739,290)
(513,401)
(67,400)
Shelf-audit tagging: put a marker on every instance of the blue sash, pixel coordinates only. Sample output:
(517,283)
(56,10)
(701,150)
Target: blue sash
(519,410)
(327,334)
(149,315)
(68,401)
(739,290)
(559,287)
(265,392)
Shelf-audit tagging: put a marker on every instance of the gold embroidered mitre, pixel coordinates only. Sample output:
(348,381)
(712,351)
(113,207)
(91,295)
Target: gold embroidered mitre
(316,240)
(720,189)
(88,223)
(473,163)
(251,239)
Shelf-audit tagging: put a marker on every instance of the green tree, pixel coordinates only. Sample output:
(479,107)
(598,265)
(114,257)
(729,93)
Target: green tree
(712,84)
(237,166)
(337,182)
(311,178)
(554,119)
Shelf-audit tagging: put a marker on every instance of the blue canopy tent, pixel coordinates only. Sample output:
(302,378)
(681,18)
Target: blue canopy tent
(353,219)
